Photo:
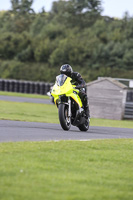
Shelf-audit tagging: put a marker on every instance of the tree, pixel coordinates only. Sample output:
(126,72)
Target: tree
(23,14)
(22,6)
(77,12)
(85,6)
(74,32)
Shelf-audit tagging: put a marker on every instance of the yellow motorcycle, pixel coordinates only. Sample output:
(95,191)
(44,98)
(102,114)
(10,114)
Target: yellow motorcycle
(69,104)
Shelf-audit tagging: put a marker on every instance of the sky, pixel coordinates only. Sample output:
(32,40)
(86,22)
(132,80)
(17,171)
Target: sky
(112,8)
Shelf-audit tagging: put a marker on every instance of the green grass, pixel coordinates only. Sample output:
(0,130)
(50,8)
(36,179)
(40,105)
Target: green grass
(112,123)
(28,112)
(47,113)
(67,170)
(17,94)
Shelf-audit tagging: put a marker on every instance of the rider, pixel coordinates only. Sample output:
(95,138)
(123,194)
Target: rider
(80,84)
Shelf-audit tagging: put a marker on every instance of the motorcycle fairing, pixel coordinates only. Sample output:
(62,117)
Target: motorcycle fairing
(66,89)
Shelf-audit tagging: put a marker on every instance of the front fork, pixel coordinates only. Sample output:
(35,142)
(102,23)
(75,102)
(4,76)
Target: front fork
(69,107)
(68,103)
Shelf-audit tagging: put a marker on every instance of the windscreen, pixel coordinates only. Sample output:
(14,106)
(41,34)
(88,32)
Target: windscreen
(61,79)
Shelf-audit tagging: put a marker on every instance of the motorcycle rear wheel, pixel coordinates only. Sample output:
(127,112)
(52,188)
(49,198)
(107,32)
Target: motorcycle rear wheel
(85,126)
(65,121)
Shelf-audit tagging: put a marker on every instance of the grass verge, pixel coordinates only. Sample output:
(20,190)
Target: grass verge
(31,112)
(17,94)
(68,170)
(47,113)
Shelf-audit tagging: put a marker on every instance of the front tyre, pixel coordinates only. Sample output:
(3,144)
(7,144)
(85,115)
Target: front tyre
(85,126)
(65,120)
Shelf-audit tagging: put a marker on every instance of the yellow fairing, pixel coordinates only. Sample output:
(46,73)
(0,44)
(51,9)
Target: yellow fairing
(68,90)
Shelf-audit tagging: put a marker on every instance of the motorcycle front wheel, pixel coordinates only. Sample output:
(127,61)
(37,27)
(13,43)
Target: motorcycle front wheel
(65,120)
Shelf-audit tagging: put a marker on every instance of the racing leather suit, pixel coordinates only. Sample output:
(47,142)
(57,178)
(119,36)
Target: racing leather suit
(81,85)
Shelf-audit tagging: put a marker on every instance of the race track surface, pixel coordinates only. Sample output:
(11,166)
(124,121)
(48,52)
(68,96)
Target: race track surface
(25,99)
(11,131)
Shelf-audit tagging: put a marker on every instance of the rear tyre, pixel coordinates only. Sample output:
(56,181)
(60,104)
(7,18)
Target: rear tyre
(65,121)
(85,126)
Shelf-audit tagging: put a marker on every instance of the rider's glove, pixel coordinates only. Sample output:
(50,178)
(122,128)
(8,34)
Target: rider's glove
(78,87)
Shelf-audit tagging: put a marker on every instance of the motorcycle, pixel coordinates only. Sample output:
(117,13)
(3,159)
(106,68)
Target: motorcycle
(69,104)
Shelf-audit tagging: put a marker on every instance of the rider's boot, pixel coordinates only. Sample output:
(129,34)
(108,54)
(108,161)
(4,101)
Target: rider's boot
(86,107)
(87,112)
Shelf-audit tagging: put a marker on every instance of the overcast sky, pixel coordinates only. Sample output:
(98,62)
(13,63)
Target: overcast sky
(112,8)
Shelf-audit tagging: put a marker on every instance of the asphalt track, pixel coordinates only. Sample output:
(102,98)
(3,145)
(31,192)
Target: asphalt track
(11,131)
(24,99)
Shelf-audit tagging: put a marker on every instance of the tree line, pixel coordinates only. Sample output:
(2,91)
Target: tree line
(33,46)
